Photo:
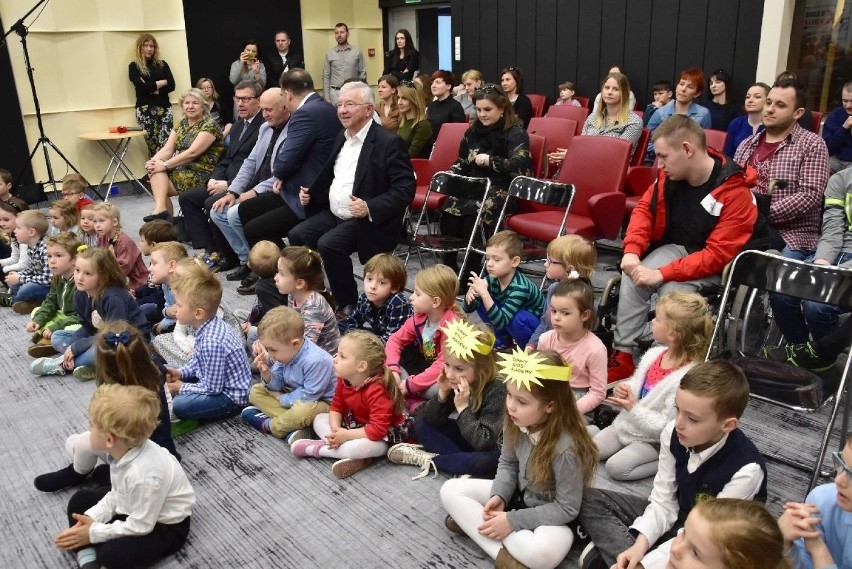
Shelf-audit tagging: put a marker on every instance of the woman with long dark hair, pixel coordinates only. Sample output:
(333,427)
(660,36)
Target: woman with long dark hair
(404,59)
(497,147)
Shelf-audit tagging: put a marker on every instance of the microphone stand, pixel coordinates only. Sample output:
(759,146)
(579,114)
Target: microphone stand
(43,141)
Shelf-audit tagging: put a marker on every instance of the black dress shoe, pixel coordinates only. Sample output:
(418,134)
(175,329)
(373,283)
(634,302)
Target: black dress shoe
(250,280)
(164,215)
(246,290)
(226,265)
(239,273)
(343,313)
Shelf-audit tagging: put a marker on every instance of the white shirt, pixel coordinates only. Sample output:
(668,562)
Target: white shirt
(340,192)
(662,512)
(149,487)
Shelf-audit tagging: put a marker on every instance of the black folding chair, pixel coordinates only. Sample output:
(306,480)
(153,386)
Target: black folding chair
(743,327)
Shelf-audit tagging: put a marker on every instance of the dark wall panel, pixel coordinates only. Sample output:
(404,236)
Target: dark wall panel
(215,35)
(558,40)
(427,27)
(13,144)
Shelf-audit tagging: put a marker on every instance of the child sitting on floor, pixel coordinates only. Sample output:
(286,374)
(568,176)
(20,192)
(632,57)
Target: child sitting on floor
(58,311)
(297,378)
(683,326)
(63,216)
(572,314)
(416,351)
(382,306)
(87,225)
(74,190)
(520,518)
(458,429)
(300,276)
(263,261)
(101,297)
(214,383)
(144,515)
(150,296)
(110,235)
(122,357)
(29,287)
(164,260)
(367,412)
(13,255)
(702,455)
(506,299)
(568,257)
(818,533)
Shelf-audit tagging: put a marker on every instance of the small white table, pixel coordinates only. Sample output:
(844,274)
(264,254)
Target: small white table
(115,145)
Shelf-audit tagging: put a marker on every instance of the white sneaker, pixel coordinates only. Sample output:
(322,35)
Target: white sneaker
(405,453)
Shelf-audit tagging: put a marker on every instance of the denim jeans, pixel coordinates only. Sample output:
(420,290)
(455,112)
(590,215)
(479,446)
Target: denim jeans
(455,455)
(29,292)
(799,320)
(203,406)
(231,226)
(61,339)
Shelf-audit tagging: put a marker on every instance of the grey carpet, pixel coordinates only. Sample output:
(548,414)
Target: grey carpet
(258,506)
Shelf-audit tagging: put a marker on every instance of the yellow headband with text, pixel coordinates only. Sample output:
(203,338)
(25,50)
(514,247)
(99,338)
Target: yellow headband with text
(522,368)
(463,340)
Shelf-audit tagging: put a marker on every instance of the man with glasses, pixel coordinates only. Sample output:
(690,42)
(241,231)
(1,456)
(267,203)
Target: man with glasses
(342,63)
(358,200)
(311,131)
(195,204)
(818,533)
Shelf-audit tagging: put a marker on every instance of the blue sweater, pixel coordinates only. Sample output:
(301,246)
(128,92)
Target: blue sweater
(309,375)
(838,139)
(738,130)
(115,303)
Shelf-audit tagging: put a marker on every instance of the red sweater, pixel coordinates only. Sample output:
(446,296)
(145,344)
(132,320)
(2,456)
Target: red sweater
(370,405)
(737,212)
(129,258)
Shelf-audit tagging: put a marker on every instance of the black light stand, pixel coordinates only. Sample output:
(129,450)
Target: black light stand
(43,141)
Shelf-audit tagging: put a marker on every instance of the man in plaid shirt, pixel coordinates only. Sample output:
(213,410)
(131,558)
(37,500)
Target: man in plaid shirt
(792,168)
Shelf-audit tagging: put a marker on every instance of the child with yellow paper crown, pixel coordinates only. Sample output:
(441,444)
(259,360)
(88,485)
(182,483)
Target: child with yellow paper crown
(548,457)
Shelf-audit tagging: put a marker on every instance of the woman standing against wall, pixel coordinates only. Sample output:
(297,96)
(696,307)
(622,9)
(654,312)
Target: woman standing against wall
(153,81)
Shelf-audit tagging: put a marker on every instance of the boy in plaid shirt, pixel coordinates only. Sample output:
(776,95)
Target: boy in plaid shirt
(29,287)
(382,305)
(214,384)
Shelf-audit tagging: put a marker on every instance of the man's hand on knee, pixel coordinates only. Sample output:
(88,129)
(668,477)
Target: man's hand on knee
(629,262)
(646,276)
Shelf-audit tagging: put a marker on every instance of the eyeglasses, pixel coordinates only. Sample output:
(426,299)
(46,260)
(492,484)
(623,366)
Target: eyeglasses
(550,261)
(349,105)
(840,465)
(243,99)
(487,89)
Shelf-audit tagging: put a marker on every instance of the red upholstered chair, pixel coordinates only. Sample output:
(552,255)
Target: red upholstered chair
(558,132)
(538,104)
(537,154)
(641,148)
(578,114)
(639,179)
(596,166)
(584,101)
(444,154)
(816,117)
(716,139)
(640,114)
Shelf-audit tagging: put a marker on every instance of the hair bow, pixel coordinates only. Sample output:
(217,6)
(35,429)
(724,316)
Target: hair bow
(113,339)
(81,248)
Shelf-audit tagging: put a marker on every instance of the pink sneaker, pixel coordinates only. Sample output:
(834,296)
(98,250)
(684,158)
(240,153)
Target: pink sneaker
(306,448)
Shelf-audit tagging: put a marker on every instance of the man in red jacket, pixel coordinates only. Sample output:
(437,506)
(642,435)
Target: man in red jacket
(691,222)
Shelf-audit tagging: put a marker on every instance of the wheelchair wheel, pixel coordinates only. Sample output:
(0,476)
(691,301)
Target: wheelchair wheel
(750,326)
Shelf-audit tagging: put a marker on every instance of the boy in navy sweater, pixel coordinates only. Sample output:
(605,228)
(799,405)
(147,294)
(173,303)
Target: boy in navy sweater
(703,455)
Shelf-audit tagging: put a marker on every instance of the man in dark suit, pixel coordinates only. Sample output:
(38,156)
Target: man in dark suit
(284,59)
(196,203)
(311,132)
(358,200)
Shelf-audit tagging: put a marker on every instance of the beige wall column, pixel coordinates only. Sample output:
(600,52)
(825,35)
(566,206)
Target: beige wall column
(80,51)
(774,39)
